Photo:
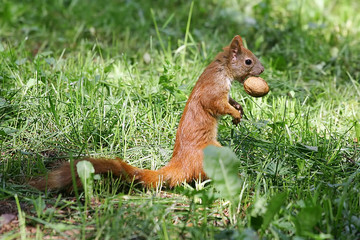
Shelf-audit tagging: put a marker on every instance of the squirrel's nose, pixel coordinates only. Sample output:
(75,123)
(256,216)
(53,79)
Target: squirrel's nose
(262,69)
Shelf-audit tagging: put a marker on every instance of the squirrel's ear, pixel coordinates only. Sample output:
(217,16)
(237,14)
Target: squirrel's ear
(235,47)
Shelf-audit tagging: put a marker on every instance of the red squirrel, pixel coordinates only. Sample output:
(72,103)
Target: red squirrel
(197,129)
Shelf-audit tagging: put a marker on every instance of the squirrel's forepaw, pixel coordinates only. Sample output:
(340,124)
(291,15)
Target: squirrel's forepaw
(236,121)
(238,107)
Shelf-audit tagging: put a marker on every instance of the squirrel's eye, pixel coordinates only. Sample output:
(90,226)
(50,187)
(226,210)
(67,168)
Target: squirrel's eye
(248,62)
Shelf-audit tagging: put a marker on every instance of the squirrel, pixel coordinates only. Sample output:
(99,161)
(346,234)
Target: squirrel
(197,129)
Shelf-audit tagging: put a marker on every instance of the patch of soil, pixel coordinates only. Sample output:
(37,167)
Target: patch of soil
(9,215)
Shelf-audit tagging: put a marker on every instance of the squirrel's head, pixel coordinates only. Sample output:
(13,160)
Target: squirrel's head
(242,63)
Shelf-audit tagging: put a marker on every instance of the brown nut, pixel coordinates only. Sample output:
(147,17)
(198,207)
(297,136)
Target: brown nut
(256,87)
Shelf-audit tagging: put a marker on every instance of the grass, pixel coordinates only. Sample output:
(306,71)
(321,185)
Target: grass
(112,78)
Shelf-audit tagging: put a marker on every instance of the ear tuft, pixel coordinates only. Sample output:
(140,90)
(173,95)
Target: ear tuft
(235,47)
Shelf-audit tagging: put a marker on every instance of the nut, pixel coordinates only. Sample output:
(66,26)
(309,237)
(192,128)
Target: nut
(256,87)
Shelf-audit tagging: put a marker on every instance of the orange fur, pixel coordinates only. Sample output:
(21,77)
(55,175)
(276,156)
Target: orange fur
(197,129)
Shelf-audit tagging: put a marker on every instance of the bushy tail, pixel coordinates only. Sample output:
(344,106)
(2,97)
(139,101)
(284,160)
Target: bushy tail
(61,178)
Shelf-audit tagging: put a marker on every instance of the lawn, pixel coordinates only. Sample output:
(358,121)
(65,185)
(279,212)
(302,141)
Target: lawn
(111,78)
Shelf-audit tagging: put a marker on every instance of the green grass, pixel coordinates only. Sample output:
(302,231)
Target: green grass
(73,82)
